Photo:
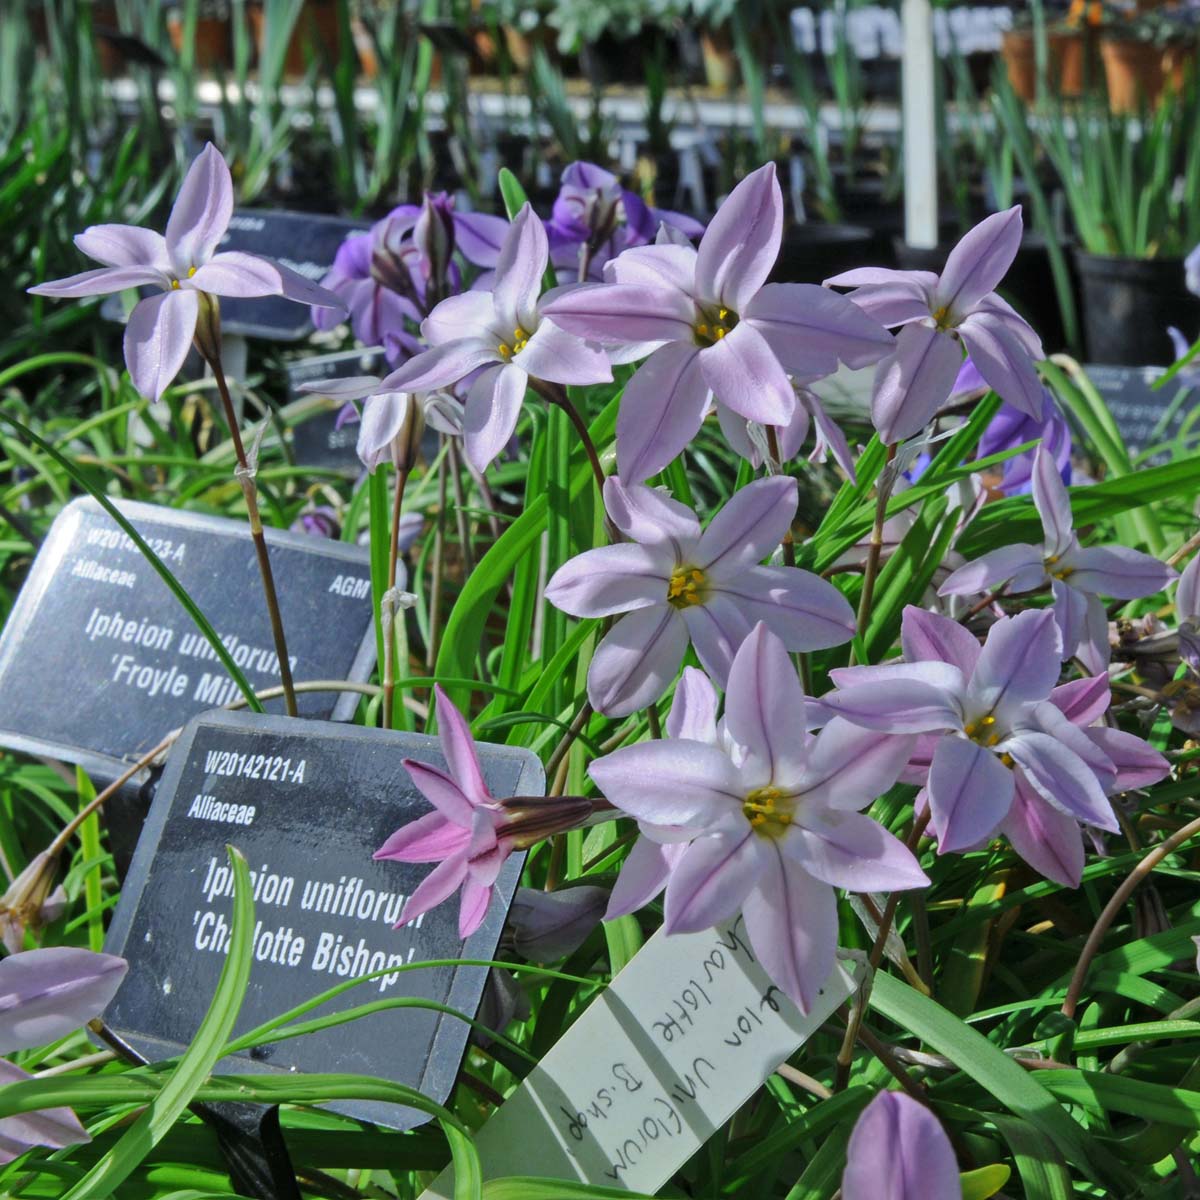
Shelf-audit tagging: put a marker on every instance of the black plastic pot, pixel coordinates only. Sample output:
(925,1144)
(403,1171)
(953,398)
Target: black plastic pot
(816,250)
(1128,304)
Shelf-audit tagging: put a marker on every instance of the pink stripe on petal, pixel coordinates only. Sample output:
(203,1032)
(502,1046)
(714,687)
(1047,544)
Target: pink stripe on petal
(440,884)
(459,747)
(970,792)
(712,879)
(748,526)
(430,838)
(442,791)
(636,661)
(201,211)
(740,245)
(158,337)
(611,579)
(743,373)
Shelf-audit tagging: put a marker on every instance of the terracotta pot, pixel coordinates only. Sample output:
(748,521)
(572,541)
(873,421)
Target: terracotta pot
(1017,50)
(110,60)
(721,70)
(1067,53)
(213,42)
(317,26)
(1178,62)
(1134,73)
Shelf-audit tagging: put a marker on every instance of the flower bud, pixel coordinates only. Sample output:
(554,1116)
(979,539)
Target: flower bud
(531,819)
(433,236)
(30,901)
(899,1151)
(547,926)
(208,327)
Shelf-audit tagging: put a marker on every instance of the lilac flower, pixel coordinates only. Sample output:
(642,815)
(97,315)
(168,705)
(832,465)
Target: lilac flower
(506,331)
(463,834)
(1187,613)
(321,520)
(45,995)
(186,267)
(678,584)
(1077,575)
(403,263)
(767,817)
(899,1151)
(547,926)
(1011,427)
(940,315)
(392,421)
(749,439)
(595,219)
(711,324)
(993,718)
(1041,832)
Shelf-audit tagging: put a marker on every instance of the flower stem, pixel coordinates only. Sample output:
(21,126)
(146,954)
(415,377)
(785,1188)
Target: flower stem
(556,394)
(1114,906)
(389,643)
(882,492)
(439,544)
(245,476)
(854,1025)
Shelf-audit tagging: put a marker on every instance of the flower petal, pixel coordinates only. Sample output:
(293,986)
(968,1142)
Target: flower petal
(1019,565)
(672,266)
(671,782)
(748,527)
(440,884)
(912,383)
(1187,594)
(887,296)
(617,314)
(46,994)
(717,628)
(693,712)
(805,611)
(51,1127)
(970,792)
(556,355)
(125,246)
(201,211)
(980,260)
(610,579)
(234,273)
(443,365)
(636,660)
(430,838)
(898,1151)
(1061,778)
(1048,840)
(662,409)
(1137,763)
(1019,662)
(896,705)
(479,237)
(1118,571)
(459,748)
(473,906)
(1083,701)
(1053,504)
(811,329)
(764,706)
(492,410)
(101,282)
(643,875)
(849,767)
(651,517)
(741,243)
(849,850)
(158,338)
(519,271)
(443,791)
(743,372)
(930,637)
(791,920)
(712,878)
(1004,362)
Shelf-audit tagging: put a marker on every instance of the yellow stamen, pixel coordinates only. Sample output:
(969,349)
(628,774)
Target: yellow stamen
(175,283)
(686,587)
(191,272)
(762,809)
(505,351)
(712,328)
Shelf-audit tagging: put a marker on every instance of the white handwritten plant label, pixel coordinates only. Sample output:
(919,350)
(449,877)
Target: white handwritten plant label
(659,1062)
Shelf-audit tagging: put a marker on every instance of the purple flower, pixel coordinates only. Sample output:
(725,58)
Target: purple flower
(45,995)
(504,330)
(392,421)
(1187,613)
(595,216)
(185,265)
(749,439)
(1046,837)
(712,325)
(547,926)
(678,584)
(993,718)
(1077,575)
(940,315)
(1011,427)
(899,1151)
(405,262)
(767,818)
(321,521)
(463,835)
